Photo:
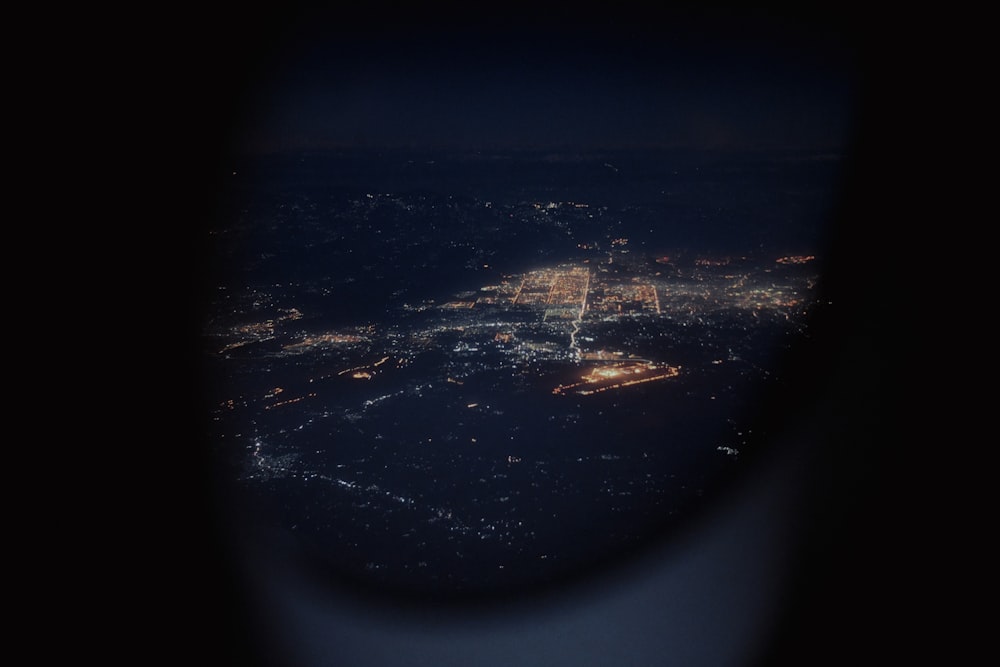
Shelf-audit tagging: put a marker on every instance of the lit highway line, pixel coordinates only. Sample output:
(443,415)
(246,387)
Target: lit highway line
(573,345)
(289,401)
(520,287)
(241,343)
(552,291)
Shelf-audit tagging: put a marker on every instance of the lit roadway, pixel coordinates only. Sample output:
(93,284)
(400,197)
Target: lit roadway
(579,318)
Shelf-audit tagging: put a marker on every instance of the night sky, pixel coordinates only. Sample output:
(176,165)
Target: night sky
(676,78)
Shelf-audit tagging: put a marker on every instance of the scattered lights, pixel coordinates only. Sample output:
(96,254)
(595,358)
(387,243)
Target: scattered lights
(591,321)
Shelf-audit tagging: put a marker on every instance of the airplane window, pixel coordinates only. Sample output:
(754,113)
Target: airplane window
(493,313)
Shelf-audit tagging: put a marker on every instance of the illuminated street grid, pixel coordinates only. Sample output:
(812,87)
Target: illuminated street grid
(566,306)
